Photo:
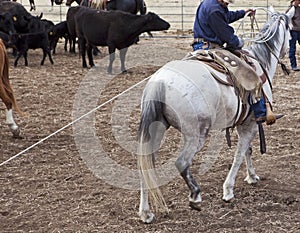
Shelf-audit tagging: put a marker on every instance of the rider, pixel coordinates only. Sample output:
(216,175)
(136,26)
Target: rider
(212,24)
(212,30)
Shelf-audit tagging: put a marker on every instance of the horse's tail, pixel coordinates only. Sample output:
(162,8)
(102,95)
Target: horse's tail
(152,111)
(6,91)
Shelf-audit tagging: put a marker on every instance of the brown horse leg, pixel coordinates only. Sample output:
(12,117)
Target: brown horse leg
(6,92)
(14,128)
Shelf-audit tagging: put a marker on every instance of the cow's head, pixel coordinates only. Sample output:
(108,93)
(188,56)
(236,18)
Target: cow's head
(7,23)
(155,23)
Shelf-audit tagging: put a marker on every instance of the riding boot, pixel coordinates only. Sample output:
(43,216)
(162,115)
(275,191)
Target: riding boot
(263,112)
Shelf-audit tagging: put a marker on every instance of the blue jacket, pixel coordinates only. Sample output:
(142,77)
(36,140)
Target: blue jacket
(212,23)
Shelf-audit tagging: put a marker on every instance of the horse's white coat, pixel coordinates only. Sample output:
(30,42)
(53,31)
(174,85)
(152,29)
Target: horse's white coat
(194,103)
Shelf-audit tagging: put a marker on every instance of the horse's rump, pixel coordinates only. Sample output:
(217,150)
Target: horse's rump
(193,91)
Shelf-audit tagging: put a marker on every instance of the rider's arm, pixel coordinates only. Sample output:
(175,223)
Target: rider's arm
(222,30)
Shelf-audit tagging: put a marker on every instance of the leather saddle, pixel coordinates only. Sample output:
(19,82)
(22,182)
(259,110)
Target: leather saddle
(239,71)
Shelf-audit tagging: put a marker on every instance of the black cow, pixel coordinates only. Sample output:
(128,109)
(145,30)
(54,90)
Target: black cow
(24,22)
(72,30)
(72,11)
(115,29)
(19,13)
(23,42)
(60,30)
(7,23)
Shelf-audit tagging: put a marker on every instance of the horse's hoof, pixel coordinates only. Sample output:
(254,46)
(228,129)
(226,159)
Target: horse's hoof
(252,179)
(17,134)
(228,199)
(146,217)
(124,72)
(195,205)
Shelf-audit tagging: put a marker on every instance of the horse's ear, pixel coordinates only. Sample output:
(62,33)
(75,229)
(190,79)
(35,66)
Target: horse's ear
(271,10)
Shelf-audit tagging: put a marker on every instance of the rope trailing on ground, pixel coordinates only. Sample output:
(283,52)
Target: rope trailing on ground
(73,122)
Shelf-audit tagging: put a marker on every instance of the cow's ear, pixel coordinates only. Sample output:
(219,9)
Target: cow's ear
(41,15)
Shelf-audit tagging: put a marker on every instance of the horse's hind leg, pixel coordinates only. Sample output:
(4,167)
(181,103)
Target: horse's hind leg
(144,209)
(191,146)
(251,178)
(144,212)
(246,134)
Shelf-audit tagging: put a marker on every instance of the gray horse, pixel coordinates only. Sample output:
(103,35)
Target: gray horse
(183,94)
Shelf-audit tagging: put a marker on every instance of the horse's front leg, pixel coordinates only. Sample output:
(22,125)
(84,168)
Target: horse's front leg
(251,178)
(246,134)
(14,128)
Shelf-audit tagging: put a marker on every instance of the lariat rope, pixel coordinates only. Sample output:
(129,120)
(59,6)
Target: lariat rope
(73,122)
(262,37)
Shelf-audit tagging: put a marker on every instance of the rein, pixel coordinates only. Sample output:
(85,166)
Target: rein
(265,37)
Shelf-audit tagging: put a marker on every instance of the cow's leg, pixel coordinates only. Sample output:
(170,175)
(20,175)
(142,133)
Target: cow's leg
(71,50)
(90,55)
(246,133)
(25,58)
(17,59)
(49,55)
(66,44)
(251,178)
(44,56)
(111,51)
(122,58)
(82,49)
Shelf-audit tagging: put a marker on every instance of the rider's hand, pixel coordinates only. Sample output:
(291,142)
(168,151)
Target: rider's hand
(241,43)
(252,12)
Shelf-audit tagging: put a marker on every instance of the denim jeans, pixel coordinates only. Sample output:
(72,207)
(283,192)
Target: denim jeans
(292,52)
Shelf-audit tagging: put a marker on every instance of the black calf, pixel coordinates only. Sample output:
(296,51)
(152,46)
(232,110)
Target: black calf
(60,30)
(23,42)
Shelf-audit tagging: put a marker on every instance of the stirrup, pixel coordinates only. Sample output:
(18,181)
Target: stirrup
(269,121)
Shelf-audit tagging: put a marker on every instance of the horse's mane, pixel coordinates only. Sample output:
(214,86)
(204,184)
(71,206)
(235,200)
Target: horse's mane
(260,47)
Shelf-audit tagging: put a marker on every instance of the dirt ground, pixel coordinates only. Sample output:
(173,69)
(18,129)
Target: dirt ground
(50,188)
